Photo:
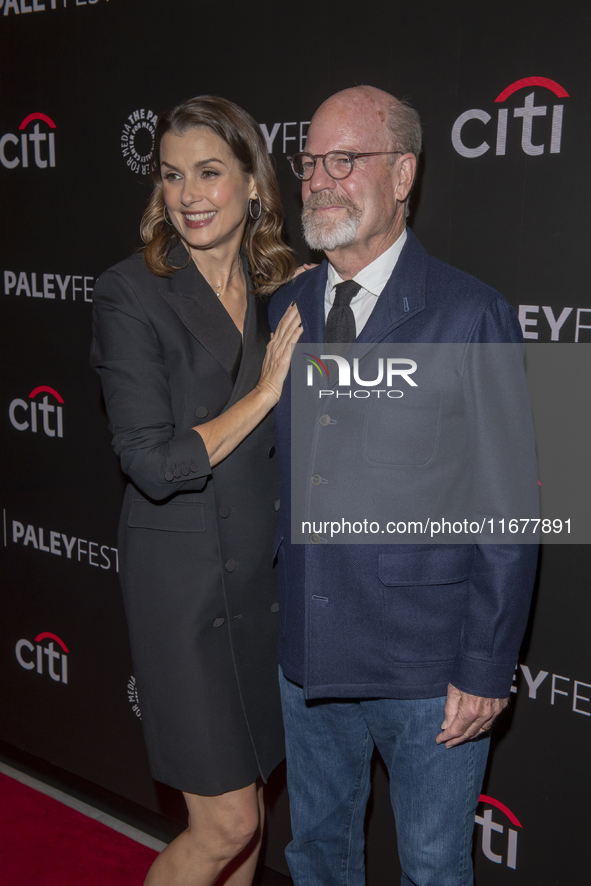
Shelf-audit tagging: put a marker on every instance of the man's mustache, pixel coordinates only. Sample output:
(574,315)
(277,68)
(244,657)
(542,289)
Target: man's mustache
(323,199)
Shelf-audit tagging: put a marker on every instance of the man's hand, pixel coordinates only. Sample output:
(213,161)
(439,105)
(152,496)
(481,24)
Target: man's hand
(467,716)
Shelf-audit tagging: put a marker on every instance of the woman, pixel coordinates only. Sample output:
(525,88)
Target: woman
(181,341)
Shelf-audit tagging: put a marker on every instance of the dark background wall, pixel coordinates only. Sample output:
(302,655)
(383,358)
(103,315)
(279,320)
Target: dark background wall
(516,215)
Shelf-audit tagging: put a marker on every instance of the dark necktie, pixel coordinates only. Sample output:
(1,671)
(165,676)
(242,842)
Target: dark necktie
(340,323)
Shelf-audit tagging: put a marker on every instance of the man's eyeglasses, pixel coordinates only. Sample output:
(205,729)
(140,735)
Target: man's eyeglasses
(338,164)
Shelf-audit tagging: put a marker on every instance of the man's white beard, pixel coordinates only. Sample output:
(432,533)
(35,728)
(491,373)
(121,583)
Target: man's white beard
(327,233)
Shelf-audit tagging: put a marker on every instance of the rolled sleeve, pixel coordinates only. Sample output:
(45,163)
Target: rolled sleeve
(160,458)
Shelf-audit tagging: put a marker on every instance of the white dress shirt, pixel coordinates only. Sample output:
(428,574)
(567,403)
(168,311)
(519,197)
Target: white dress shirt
(372,279)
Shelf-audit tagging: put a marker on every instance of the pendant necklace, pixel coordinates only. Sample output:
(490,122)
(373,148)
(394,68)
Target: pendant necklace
(219,289)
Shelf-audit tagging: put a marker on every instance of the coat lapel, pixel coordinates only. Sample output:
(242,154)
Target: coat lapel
(196,305)
(402,297)
(257,333)
(310,302)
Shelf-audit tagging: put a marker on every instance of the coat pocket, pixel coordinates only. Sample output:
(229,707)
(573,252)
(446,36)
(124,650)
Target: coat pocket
(403,432)
(173,516)
(435,565)
(424,599)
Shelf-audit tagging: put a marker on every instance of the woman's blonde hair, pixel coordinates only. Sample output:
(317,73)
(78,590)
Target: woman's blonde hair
(271,260)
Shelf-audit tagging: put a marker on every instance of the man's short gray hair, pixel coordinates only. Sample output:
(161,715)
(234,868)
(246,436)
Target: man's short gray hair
(405,128)
(406,133)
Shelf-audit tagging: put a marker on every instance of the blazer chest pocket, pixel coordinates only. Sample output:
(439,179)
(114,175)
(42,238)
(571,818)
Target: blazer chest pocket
(403,431)
(424,601)
(174,516)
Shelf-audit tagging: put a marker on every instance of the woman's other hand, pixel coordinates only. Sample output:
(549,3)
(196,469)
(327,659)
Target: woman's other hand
(302,268)
(278,356)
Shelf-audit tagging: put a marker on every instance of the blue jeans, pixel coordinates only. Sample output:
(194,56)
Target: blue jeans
(434,791)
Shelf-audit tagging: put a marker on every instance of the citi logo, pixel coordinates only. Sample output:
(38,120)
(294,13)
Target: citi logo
(529,110)
(25,416)
(30,656)
(34,146)
(506,844)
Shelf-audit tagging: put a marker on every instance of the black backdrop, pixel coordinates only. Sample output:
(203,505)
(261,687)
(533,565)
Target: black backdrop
(93,75)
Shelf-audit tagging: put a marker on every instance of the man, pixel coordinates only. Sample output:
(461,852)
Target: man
(410,648)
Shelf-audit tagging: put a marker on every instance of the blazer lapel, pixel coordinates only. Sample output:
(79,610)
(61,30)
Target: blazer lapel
(196,305)
(310,303)
(257,333)
(402,297)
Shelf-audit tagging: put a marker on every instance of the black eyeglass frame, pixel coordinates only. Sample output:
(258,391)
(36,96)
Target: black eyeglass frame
(352,155)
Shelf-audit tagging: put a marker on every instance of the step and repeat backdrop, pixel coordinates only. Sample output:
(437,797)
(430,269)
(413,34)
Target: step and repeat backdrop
(504,91)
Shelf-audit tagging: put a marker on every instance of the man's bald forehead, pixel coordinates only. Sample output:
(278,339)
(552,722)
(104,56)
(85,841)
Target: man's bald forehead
(373,108)
(369,97)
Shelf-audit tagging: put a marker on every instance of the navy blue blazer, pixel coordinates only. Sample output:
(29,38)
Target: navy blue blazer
(401,621)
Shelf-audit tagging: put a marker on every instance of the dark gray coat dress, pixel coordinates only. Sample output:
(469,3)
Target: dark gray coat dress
(195,541)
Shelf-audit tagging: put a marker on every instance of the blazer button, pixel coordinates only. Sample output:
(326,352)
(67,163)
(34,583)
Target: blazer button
(317,479)
(316,539)
(224,511)
(185,470)
(177,472)
(275,607)
(271,452)
(277,505)
(201,411)
(219,622)
(194,467)
(169,475)
(324,420)
(231,565)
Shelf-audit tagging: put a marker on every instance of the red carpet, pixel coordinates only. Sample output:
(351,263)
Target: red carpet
(44,843)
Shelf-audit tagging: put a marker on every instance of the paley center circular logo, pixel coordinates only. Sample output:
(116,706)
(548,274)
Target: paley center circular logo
(137,140)
(132,697)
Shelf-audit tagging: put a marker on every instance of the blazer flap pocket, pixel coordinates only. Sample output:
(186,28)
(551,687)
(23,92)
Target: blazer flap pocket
(173,516)
(442,565)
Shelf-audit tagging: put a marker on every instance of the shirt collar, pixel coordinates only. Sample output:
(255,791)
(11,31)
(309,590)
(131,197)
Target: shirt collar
(373,277)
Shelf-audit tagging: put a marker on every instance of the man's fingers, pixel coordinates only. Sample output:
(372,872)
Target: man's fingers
(467,716)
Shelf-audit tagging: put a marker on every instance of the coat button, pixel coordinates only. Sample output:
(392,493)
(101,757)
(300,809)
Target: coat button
(317,479)
(315,539)
(224,511)
(185,470)
(169,476)
(219,622)
(231,565)
(324,420)
(277,504)
(275,607)
(201,411)
(194,467)
(271,451)
(177,472)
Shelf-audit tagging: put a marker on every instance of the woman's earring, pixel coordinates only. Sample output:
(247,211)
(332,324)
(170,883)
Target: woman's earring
(167,220)
(256,202)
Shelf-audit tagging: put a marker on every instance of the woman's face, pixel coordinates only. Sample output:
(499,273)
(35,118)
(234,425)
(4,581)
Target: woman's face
(204,189)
